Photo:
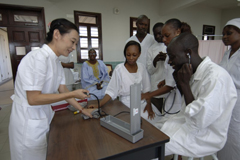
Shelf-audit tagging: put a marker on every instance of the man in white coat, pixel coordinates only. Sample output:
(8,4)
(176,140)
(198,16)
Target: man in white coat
(155,64)
(142,37)
(209,96)
(67,64)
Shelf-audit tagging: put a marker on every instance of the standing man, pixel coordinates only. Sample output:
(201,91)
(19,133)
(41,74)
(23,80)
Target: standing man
(142,37)
(155,64)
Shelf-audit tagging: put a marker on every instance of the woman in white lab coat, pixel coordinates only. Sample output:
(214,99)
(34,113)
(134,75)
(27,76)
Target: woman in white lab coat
(39,77)
(231,62)
(126,74)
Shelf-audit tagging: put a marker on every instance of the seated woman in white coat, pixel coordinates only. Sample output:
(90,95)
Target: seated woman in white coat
(40,77)
(126,74)
(94,76)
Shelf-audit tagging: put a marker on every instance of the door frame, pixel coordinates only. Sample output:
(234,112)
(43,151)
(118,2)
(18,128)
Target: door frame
(7,7)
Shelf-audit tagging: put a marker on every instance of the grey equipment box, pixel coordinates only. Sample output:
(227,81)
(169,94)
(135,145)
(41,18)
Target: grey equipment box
(132,132)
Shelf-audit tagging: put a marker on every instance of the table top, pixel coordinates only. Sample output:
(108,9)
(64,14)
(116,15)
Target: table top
(72,137)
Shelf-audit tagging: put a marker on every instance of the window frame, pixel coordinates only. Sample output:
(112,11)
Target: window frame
(88,25)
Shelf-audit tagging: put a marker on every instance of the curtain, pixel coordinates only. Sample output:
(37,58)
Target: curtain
(213,49)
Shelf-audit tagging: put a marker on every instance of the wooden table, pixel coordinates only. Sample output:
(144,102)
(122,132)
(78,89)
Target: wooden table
(73,138)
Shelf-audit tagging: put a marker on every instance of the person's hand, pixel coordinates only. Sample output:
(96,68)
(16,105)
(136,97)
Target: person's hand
(88,112)
(182,76)
(161,84)
(159,57)
(148,108)
(145,96)
(81,93)
(162,56)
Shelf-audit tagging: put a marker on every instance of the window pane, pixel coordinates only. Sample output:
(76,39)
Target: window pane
(94,32)
(97,53)
(20,51)
(87,19)
(94,42)
(83,42)
(83,30)
(0,17)
(134,24)
(22,18)
(84,53)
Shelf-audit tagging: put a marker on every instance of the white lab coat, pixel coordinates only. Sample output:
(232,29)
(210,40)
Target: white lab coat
(231,150)
(157,73)
(39,70)
(69,78)
(119,86)
(145,45)
(201,127)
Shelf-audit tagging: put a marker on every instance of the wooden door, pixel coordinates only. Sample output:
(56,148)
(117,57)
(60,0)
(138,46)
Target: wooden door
(23,40)
(25,28)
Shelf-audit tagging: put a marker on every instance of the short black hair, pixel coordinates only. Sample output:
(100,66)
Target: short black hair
(187,41)
(63,25)
(141,17)
(159,24)
(177,24)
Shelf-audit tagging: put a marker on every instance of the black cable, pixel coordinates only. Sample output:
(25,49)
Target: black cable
(126,112)
(167,112)
(99,109)
(121,113)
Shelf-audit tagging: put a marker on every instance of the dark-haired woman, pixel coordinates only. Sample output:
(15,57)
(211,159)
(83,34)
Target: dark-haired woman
(126,74)
(39,77)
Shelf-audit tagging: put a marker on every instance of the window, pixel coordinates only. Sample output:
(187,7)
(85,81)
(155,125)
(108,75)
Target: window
(90,32)
(25,18)
(208,32)
(133,26)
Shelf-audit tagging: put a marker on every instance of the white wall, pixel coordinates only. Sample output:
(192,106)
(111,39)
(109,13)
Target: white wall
(115,28)
(197,16)
(229,14)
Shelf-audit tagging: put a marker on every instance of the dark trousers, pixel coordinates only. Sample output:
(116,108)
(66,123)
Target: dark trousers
(158,103)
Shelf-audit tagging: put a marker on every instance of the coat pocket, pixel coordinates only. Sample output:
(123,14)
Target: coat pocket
(36,133)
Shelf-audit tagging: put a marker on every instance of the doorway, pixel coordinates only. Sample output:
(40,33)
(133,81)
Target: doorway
(25,28)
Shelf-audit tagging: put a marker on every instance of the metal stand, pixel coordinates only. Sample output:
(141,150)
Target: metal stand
(132,132)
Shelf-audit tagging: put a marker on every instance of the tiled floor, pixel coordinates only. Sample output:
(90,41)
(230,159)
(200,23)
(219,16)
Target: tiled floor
(6,90)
